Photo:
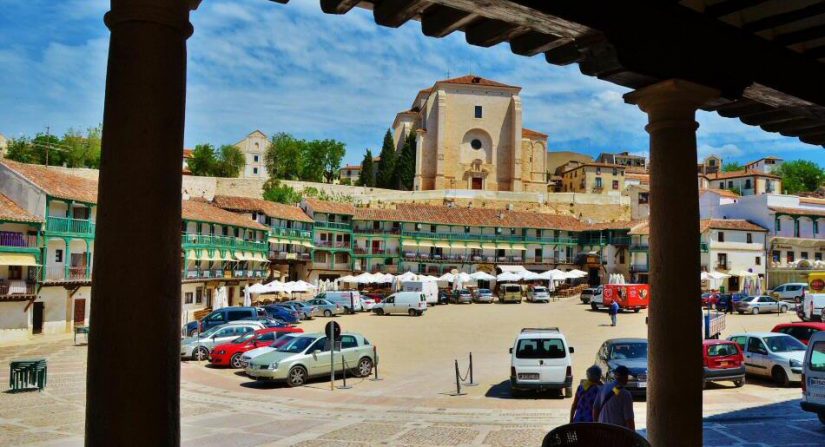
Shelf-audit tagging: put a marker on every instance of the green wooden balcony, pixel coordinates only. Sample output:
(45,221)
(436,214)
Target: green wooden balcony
(66,225)
(191,240)
(337,226)
(290,233)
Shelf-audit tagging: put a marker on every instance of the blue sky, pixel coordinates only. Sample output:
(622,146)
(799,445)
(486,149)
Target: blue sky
(254,64)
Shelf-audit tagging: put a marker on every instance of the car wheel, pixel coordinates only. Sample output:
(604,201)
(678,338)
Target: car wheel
(636,310)
(379,311)
(297,376)
(193,332)
(411,312)
(593,306)
(739,383)
(235,361)
(364,367)
(783,309)
(755,311)
(327,313)
(780,376)
(200,353)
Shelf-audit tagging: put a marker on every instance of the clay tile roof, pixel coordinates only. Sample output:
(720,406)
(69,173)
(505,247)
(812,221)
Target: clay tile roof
(204,212)
(722,192)
(812,200)
(643,228)
(594,165)
(187,153)
(798,211)
(352,167)
(619,225)
(271,209)
(56,183)
(643,178)
(475,80)
(532,134)
(738,174)
(482,217)
(10,211)
(322,206)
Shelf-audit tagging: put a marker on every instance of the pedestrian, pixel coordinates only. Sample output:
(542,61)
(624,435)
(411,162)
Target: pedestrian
(586,395)
(614,405)
(613,310)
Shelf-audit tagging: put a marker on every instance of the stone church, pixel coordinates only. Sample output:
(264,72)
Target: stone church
(469,136)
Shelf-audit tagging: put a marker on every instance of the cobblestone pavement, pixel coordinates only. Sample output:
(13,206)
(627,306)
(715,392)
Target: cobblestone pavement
(221,407)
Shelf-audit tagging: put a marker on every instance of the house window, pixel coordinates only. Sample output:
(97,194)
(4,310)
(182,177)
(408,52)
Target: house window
(747,183)
(58,255)
(198,295)
(621,257)
(721,185)
(818,256)
(615,171)
(730,184)
(432,228)
(720,236)
(466,229)
(803,255)
(644,198)
(816,226)
(777,225)
(255,158)
(615,184)
(188,297)
(790,257)
(15,272)
(796,228)
(478,112)
(722,261)
(598,182)
(749,237)
(758,260)
(775,255)
(376,225)
(476,144)
(537,255)
(255,171)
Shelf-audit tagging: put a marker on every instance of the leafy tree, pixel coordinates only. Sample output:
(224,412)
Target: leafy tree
(312,168)
(367,177)
(48,150)
(333,153)
(346,181)
(800,176)
(81,150)
(275,191)
(405,166)
(231,162)
(21,149)
(203,160)
(283,156)
(385,174)
(732,166)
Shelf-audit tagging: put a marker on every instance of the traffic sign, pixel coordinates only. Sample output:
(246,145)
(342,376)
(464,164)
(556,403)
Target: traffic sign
(333,331)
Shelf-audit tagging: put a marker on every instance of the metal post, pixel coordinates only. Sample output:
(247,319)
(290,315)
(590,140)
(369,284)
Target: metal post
(331,363)
(457,381)
(375,365)
(344,372)
(472,382)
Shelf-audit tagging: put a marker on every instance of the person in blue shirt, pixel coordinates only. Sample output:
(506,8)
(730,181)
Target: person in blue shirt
(613,310)
(614,404)
(586,395)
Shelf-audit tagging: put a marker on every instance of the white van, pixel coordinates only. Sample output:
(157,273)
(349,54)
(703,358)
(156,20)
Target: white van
(541,360)
(813,377)
(413,304)
(792,291)
(428,288)
(812,306)
(350,300)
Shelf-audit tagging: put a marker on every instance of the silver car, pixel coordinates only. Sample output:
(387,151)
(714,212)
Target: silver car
(484,296)
(760,304)
(325,307)
(252,353)
(199,347)
(308,355)
(778,356)
(307,311)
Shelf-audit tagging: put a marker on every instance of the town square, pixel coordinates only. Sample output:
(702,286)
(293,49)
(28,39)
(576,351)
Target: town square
(412,222)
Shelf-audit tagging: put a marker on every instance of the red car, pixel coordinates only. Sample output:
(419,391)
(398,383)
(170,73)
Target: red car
(723,360)
(229,354)
(710,298)
(802,331)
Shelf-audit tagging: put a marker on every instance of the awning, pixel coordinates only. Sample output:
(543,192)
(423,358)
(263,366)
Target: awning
(488,245)
(17,259)
(473,245)
(409,243)
(275,240)
(192,256)
(238,255)
(459,245)
(442,244)
(519,247)
(307,244)
(426,244)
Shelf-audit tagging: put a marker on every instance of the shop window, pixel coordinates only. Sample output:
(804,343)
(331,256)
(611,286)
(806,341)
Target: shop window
(198,295)
(790,257)
(188,297)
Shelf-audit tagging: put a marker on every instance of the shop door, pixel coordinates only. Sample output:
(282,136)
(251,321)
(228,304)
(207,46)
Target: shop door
(231,296)
(79,312)
(37,318)
(476,183)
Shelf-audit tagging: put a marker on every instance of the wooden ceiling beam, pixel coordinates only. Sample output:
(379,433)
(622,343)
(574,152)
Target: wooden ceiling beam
(730,6)
(394,13)
(816,53)
(533,43)
(564,55)
(803,35)
(798,123)
(784,18)
(338,6)
(487,32)
(440,20)
(768,117)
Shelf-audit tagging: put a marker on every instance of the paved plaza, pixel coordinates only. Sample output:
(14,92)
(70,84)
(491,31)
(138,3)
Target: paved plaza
(412,404)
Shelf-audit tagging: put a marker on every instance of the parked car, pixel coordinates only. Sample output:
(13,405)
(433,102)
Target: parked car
(428,288)
(229,354)
(307,311)
(284,313)
(538,294)
(729,299)
(802,331)
(199,346)
(760,304)
(792,291)
(375,296)
(412,303)
(813,377)
(594,296)
(628,352)
(709,299)
(252,353)
(222,316)
(326,307)
(443,296)
(509,293)
(350,300)
(773,355)
(540,359)
(308,356)
(484,296)
(297,312)
(461,296)
(367,303)
(723,360)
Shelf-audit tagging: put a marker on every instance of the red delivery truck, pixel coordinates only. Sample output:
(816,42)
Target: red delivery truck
(629,296)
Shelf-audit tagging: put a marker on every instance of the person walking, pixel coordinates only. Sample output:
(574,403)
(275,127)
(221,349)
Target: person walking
(613,310)
(614,404)
(586,395)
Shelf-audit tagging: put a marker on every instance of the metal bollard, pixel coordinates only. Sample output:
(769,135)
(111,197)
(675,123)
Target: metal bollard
(472,382)
(375,365)
(344,372)
(457,382)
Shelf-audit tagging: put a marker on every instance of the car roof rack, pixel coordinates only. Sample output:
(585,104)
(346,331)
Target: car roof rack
(540,329)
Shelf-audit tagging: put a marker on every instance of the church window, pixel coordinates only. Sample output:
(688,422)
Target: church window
(478,112)
(475,144)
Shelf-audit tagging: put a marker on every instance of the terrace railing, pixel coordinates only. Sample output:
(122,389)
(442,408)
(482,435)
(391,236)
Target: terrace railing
(70,226)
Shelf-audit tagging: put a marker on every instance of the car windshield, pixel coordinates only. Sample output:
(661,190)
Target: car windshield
(282,341)
(244,338)
(512,288)
(783,344)
(297,344)
(632,350)
(722,350)
(211,332)
(539,290)
(464,292)
(484,291)
(540,348)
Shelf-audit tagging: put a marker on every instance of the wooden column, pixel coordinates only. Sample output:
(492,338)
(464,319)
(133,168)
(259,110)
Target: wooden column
(674,409)
(137,259)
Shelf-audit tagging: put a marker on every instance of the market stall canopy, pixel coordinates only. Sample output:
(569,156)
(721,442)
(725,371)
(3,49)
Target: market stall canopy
(508,276)
(406,276)
(531,276)
(577,273)
(347,278)
(482,276)
(512,268)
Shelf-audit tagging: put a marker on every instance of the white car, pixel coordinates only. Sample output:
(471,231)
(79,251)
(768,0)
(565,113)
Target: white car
(252,353)
(367,303)
(541,360)
(199,347)
(792,291)
(774,355)
(350,300)
(413,304)
(813,377)
(538,294)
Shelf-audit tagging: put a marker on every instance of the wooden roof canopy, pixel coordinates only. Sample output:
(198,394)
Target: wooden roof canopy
(766,56)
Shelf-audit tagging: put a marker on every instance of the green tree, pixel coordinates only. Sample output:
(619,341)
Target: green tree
(385,173)
(230,163)
(48,150)
(283,156)
(800,176)
(367,176)
(81,150)
(21,149)
(405,166)
(275,191)
(333,154)
(732,166)
(203,160)
(312,157)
